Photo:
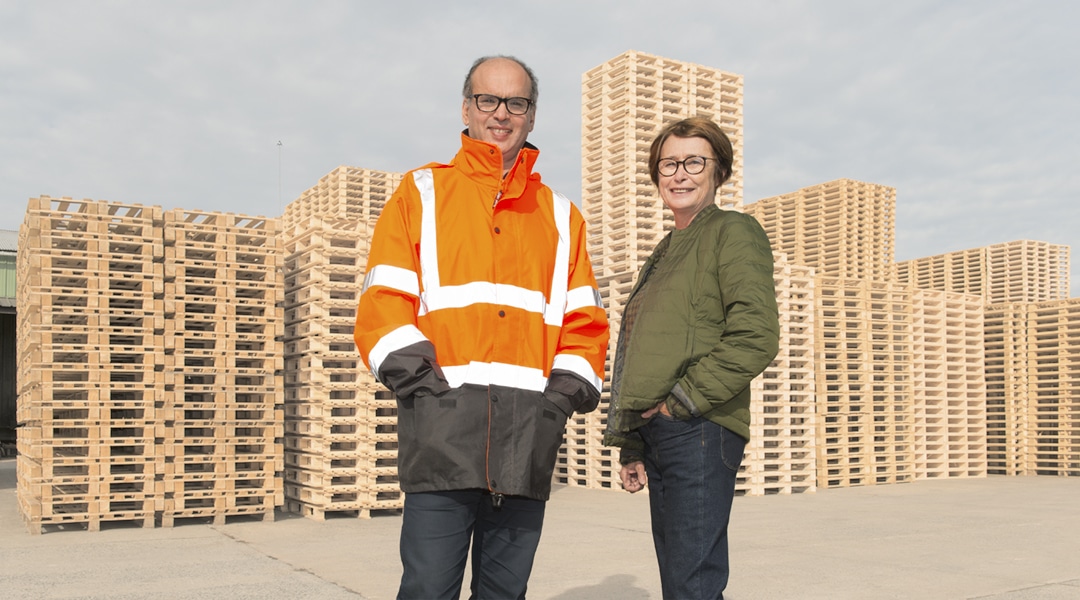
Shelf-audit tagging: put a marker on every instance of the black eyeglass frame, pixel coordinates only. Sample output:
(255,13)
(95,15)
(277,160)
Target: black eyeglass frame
(660,169)
(503,101)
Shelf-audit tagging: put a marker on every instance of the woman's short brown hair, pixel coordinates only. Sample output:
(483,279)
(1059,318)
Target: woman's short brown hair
(695,127)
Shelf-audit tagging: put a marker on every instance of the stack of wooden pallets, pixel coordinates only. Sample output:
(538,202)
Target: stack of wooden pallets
(150,365)
(341,435)
(90,358)
(222,410)
(780,456)
(863,347)
(949,382)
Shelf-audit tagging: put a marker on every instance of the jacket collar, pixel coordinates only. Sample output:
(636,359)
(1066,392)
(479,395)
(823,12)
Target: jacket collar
(673,237)
(482,162)
(703,215)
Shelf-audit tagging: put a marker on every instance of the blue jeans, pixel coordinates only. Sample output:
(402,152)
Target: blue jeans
(692,467)
(437,528)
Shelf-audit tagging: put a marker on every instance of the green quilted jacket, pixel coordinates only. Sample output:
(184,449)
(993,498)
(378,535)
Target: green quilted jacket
(706,327)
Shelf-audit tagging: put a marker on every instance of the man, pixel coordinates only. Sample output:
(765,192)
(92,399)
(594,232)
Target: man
(480,312)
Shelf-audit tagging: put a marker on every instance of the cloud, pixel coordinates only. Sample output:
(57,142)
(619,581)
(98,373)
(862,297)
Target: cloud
(965,107)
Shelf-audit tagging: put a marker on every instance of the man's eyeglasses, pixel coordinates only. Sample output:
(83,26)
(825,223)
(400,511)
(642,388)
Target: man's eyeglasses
(691,164)
(514,106)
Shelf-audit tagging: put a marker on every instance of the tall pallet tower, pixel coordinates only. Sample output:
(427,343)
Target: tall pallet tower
(91,359)
(625,102)
(222,402)
(1053,446)
(949,384)
(1033,387)
(341,424)
(781,456)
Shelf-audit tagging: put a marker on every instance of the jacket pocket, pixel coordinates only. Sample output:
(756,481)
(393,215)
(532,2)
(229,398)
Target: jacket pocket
(732,446)
(551,427)
(437,437)
(525,434)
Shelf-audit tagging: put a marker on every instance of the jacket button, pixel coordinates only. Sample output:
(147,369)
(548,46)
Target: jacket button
(502,313)
(497,230)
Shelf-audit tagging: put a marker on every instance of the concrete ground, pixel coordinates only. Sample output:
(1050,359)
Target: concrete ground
(997,539)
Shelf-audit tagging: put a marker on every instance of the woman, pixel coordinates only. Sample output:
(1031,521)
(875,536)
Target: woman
(699,325)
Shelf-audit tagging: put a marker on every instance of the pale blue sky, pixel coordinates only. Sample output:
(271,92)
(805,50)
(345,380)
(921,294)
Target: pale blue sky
(967,108)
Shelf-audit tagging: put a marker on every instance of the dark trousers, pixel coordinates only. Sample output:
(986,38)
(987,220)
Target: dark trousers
(692,467)
(437,529)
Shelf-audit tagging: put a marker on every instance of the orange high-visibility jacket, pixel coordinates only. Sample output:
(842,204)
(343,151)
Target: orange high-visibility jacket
(479,288)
